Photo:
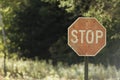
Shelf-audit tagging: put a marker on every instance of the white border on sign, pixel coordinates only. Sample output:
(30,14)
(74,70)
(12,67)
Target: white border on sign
(86,18)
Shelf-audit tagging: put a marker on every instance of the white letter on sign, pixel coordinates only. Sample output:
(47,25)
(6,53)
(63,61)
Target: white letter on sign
(82,31)
(90,34)
(74,32)
(99,34)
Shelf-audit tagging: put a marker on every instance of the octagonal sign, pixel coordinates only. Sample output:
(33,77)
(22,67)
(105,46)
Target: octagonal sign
(86,36)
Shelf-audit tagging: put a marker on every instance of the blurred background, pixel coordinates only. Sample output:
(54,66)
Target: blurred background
(37,30)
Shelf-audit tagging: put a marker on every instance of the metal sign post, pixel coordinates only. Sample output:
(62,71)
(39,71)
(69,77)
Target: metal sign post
(86,68)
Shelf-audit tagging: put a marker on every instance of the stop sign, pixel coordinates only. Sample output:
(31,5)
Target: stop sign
(86,36)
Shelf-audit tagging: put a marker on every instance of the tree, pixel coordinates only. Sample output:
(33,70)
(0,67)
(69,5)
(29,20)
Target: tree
(35,26)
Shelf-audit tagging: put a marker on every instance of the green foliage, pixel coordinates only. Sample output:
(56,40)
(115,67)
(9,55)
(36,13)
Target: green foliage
(104,11)
(35,26)
(60,52)
(33,21)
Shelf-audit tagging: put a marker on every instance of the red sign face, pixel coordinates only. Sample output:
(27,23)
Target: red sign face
(86,36)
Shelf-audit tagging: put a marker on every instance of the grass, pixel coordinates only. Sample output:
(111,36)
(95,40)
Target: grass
(41,70)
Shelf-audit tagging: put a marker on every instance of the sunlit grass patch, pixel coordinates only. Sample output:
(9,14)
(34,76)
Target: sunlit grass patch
(42,70)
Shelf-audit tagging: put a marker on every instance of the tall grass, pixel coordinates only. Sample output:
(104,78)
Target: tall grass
(41,70)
